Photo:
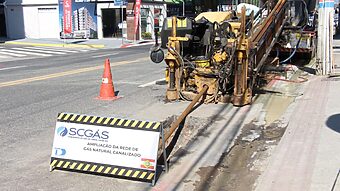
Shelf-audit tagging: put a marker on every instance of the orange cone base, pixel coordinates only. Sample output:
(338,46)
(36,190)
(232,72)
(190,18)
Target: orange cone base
(109,98)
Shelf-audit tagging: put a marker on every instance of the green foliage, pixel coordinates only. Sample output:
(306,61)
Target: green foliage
(146,35)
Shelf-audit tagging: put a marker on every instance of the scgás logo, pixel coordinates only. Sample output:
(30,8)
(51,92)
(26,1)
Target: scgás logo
(82,133)
(62,131)
(89,133)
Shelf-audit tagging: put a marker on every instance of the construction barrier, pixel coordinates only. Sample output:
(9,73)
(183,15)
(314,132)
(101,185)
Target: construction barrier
(121,148)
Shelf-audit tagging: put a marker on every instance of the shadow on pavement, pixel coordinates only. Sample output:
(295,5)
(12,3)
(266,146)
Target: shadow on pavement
(308,69)
(333,122)
(78,41)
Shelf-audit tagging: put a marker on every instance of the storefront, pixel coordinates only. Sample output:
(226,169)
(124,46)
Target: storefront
(117,19)
(152,15)
(113,22)
(111,18)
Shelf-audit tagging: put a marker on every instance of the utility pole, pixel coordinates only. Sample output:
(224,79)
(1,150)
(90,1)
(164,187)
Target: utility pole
(325,35)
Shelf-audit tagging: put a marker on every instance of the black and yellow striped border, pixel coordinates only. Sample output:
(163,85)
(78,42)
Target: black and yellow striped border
(102,169)
(109,122)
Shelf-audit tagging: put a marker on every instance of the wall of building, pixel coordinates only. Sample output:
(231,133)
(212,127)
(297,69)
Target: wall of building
(32,19)
(15,22)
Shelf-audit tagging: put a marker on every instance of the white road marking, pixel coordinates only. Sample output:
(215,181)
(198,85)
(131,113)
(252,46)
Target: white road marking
(15,67)
(4,56)
(125,82)
(32,52)
(104,55)
(151,83)
(42,51)
(11,54)
(29,53)
(84,50)
(54,49)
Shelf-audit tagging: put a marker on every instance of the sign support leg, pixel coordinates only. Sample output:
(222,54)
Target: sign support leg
(51,168)
(164,151)
(154,178)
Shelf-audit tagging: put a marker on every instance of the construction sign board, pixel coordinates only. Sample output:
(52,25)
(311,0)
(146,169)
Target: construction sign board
(121,148)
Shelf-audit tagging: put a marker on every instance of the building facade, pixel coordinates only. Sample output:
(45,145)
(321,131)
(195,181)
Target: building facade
(152,16)
(43,19)
(30,19)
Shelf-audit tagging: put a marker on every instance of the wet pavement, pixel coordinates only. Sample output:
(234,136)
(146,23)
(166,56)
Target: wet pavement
(307,157)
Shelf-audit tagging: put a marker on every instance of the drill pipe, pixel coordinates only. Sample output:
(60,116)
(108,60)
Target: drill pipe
(175,125)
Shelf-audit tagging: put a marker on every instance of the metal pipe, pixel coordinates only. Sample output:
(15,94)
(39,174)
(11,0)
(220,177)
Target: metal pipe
(183,8)
(174,26)
(175,125)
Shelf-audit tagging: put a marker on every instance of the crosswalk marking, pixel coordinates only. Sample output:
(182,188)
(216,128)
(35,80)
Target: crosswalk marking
(31,53)
(83,50)
(40,51)
(4,56)
(11,54)
(53,49)
(26,52)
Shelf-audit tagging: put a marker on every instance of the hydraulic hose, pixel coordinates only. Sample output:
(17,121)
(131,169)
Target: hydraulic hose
(296,47)
(293,53)
(302,29)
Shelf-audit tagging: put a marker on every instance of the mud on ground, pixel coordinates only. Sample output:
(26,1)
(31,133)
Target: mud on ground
(239,169)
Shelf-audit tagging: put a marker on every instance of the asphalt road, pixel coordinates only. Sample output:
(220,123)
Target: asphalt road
(34,91)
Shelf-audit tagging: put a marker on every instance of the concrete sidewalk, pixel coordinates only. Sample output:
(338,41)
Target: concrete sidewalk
(78,43)
(308,155)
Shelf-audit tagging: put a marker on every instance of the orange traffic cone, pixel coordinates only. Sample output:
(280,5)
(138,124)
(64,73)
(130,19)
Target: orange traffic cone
(107,91)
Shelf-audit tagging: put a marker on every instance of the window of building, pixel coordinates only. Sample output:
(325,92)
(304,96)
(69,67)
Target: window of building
(144,13)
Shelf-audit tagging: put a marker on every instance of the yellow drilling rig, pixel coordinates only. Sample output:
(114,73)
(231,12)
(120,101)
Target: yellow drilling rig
(224,53)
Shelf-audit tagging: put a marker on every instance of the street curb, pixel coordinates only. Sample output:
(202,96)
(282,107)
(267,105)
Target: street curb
(58,45)
(135,45)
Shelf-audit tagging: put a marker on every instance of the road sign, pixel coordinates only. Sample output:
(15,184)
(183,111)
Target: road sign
(118,2)
(108,146)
